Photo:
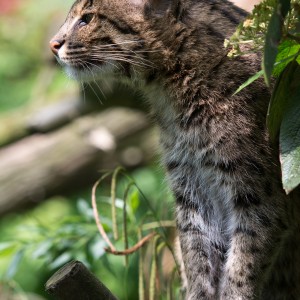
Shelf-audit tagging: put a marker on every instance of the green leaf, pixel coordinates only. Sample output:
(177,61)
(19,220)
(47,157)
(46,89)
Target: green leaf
(108,265)
(82,206)
(249,81)
(60,260)
(287,51)
(42,249)
(97,248)
(85,209)
(7,248)
(273,37)
(14,265)
(280,99)
(107,200)
(290,136)
(134,201)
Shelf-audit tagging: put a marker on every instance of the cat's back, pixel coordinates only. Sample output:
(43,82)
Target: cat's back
(189,49)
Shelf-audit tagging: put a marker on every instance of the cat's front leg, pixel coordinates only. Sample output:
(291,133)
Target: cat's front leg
(254,244)
(201,253)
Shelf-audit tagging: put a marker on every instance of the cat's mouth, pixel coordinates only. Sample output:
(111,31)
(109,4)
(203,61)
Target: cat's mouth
(83,70)
(80,65)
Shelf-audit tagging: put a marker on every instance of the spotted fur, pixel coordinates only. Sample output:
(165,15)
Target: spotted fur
(239,232)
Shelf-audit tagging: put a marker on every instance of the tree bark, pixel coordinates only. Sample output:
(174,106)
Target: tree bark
(74,281)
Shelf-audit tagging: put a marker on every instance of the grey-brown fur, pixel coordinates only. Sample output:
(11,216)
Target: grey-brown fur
(239,232)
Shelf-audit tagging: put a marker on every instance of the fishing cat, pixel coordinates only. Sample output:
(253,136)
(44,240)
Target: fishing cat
(238,230)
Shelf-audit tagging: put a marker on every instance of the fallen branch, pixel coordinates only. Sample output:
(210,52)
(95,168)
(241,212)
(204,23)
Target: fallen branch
(44,165)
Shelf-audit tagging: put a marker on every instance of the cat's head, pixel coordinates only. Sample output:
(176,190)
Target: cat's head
(107,36)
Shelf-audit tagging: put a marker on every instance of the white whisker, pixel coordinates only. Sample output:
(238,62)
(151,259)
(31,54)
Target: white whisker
(123,54)
(121,43)
(83,92)
(95,93)
(94,79)
(131,61)
(124,50)
(139,62)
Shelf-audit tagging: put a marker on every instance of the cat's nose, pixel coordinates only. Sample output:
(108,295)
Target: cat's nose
(55,45)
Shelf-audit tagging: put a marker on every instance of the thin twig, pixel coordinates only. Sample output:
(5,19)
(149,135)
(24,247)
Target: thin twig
(133,249)
(141,270)
(125,220)
(96,214)
(113,202)
(154,225)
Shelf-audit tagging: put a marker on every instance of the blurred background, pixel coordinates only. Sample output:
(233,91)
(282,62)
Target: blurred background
(57,138)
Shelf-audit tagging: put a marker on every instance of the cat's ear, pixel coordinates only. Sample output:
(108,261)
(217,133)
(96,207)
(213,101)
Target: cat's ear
(158,7)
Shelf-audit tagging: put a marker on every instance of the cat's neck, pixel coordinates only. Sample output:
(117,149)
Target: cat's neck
(190,63)
(193,44)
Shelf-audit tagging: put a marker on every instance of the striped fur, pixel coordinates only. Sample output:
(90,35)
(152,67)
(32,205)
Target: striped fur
(239,232)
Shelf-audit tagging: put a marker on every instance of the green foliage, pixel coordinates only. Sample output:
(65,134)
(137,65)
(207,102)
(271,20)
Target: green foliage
(282,97)
(140,221)
(250,35)
(274,27)
(53,242)
(47,241)
(283,115)
(284,120)
(273,37)
(23,49)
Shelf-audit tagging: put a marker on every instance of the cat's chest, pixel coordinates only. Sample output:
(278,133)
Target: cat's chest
(190,159)
(194,179)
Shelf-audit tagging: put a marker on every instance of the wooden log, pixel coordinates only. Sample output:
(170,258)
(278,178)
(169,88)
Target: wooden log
(56,115)
(24,122)
(44,165)
(74,281)
(35,119)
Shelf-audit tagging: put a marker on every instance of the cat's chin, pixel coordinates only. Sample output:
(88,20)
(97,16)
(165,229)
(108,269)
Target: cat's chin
(78,74)
(86,75)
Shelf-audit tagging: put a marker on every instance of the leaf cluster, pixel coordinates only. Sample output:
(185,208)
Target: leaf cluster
(253,30)
(127,216)
(274,28)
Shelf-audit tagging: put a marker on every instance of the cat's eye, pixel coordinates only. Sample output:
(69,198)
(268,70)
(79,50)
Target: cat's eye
(86,19)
